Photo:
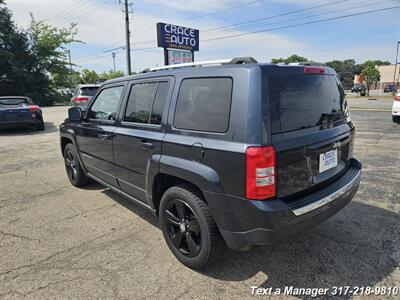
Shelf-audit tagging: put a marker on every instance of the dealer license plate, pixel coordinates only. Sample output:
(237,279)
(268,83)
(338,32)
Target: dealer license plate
(327,160)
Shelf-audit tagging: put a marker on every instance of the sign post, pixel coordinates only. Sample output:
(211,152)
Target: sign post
(179,42)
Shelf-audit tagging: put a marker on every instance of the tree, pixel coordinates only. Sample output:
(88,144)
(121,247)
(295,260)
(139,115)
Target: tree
(89,76)
(379,62)
(346,70)
(371,74)
(16,59)
(32,62)
(111,75)
(294,58)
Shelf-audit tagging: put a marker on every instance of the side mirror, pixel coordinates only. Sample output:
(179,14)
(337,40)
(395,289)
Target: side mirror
(75,114)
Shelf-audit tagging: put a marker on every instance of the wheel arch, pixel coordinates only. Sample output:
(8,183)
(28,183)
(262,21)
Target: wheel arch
(162,182)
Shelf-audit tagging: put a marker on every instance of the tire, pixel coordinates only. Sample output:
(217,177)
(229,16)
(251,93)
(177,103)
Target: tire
(198,227)
(75,173)
(40,126)
(396,119)
(363,94)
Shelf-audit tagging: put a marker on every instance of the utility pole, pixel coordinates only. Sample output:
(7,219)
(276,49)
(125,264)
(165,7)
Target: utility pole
(114,53)
(395,66)
(113,56)
(69,57)
(127,33)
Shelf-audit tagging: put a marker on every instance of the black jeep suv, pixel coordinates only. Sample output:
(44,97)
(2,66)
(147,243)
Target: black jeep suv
(237,154)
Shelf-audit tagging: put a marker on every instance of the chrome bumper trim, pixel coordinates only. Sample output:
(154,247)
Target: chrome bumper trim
(344,190)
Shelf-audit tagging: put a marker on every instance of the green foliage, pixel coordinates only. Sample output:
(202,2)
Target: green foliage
(378,62)
(294,58)
(31,62)
(111,75)
(371,74)
(346,69)
(90,76)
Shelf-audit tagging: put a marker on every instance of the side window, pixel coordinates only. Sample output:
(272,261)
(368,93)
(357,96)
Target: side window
(204,104)
(106,104)
(159,102)
(146,102)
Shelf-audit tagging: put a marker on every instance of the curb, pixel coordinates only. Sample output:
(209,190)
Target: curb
(370,109)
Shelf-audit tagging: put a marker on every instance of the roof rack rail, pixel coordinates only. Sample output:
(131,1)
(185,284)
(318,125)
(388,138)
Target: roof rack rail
(236,60)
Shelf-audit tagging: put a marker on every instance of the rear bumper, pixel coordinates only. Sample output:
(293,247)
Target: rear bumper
(244,223)
(396,108)
(18,123)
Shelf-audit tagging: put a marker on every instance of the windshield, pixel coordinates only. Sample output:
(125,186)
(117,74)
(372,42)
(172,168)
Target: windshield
(89,91)
(13,102)
(304,101)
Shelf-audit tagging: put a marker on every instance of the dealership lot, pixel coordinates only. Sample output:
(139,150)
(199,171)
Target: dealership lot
(57,241)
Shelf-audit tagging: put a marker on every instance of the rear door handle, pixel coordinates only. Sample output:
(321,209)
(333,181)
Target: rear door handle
(104,136)
(146,145)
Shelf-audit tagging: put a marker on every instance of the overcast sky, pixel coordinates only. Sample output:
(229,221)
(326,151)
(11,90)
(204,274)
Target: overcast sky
(101,27)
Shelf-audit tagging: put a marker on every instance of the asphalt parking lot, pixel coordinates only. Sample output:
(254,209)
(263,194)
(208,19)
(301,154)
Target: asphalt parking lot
(58,241)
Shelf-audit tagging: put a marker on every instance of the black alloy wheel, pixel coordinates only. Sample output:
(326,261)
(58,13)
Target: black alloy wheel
(75,173)
(189,228)
(183,228)
(70,164)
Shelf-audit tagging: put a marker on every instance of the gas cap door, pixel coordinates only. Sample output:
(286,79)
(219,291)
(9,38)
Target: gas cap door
(197,152)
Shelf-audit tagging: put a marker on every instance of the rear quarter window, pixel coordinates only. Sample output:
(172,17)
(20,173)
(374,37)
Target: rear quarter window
(88,91)
(13,102)
(204,104)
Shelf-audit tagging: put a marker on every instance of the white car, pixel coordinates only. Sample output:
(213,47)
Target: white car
(396,108)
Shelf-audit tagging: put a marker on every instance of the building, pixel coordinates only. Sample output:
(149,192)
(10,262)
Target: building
(387,73)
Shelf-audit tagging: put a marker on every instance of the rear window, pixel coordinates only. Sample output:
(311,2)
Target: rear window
(88,91)
(13,102)
(303,101)
(204,104)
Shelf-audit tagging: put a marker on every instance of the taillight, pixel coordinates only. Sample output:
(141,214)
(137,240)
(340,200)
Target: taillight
(260,173)
(397,98)
(81,99)
(314,70)
(33,108)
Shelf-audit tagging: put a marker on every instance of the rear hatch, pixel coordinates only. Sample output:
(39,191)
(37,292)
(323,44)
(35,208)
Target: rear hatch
(310,127)
(14,109)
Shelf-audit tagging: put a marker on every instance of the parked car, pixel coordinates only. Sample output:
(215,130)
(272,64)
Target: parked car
(19,111)
(241,153)
(83,94)
(389,88)
(396,108)
(359,88)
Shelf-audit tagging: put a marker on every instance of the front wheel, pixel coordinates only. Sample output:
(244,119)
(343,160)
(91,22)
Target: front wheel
(188,228)
(396,119)
(75,173)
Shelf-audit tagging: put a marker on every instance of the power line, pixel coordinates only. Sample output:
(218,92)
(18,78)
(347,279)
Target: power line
(273,16)
(206,14)
(302,24)
(80,11)
(282,27)
(67,10)
(185,19)
(308,15)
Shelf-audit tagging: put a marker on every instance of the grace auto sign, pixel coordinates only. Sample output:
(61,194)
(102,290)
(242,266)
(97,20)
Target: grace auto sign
(177,37)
